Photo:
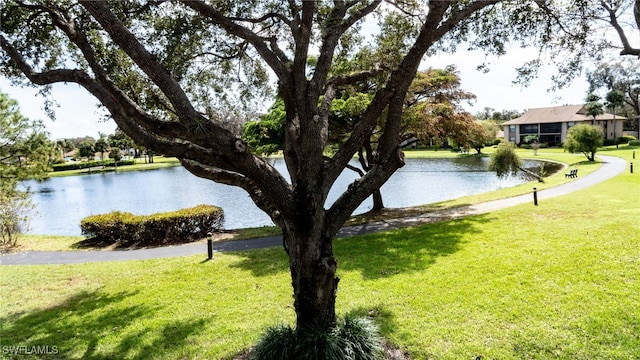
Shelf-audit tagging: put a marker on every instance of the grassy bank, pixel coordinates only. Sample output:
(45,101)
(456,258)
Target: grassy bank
(560,280)
(159,162)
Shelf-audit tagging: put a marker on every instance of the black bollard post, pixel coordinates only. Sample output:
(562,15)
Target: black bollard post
(634,154)
(535,196)
(210,246)
(632,167)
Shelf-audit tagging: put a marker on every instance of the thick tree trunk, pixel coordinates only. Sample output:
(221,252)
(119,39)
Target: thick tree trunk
(313,277)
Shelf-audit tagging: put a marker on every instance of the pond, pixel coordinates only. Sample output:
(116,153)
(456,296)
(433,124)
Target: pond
(61,202)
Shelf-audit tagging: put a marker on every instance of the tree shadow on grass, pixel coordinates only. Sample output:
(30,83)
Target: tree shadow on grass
(381,254)
(91,243)
(96,325)
(263,262)
(406,250)
(587,163)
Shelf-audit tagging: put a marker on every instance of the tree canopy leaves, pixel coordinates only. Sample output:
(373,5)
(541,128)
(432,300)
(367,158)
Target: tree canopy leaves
(623,76)
(584,138)
(593,107)
(504,161)
(25,148)
(25,152)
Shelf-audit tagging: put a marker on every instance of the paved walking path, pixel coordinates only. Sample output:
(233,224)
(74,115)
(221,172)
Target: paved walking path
(611,167)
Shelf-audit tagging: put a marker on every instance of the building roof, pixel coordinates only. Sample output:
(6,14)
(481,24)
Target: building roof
(555,114)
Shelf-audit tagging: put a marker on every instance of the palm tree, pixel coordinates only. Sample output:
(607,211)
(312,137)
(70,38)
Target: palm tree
(593,107)
(101,146)
(614,99)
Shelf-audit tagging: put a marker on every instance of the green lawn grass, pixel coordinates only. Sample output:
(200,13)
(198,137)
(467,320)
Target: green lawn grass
(27,242)
(556,281)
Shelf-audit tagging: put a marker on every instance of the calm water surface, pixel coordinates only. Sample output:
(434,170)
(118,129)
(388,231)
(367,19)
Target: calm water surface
(63,201)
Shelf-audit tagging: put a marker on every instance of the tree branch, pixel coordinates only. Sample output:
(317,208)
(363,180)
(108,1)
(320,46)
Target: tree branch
(356,77)
(401,79)
(433,29)
(193,126)
(242,32)
(128,42)
(627,49)
(105,93)
(333,34)
(216,174)
(355,169)
(262,18)
(461,15)
(265,203)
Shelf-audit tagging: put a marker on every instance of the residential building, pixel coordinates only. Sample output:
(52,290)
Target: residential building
(551,124)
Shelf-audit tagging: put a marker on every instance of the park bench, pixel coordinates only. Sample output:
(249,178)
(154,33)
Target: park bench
(571,174)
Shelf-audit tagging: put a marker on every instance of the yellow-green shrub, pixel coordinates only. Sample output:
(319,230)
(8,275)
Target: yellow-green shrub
(179,226)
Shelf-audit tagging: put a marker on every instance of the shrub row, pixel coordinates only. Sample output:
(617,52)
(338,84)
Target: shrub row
(88,164)
(126,229)
(625,139)
(616,141)
(634,143)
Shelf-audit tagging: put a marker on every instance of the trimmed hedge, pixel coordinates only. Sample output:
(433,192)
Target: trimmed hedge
(619,140)
(126,229)
(625,139)
(634,143)
(88,164)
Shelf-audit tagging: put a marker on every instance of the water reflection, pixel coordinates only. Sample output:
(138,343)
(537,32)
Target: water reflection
(62,202)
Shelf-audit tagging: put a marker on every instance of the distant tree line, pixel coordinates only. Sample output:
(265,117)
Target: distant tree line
(621,79)
(499,116)
(113,145)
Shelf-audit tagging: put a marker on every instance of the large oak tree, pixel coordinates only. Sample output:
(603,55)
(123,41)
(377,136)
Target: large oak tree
(166,70)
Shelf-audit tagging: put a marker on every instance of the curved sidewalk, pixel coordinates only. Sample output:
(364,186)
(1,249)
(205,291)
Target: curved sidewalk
(611,167)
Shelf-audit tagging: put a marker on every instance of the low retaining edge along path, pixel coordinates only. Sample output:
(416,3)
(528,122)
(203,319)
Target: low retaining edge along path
(611,167)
